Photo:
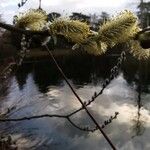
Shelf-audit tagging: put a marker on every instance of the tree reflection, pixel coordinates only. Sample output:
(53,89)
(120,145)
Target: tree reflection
(138,127)
(22,74)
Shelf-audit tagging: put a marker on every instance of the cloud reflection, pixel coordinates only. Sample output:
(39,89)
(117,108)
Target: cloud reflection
(58,134)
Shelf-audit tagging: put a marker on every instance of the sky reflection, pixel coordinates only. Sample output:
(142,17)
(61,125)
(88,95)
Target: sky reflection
(130,131)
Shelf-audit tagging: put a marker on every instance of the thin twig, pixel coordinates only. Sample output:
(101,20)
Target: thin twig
(114,73)
(22,3)
(88,129)
(32,117)
(7,68)
(78,127)
(92,129)
(61,116)
(79,99)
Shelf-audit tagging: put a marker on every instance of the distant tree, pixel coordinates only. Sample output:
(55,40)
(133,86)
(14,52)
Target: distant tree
(53,15)
(103,17)
(96,20)
(144,13)
(80,16)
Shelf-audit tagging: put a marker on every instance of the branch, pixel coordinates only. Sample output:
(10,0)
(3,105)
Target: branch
(22,31)
(113,74)
(142,31)
(45,32)
(6,71)
(80,128)
(33,117)
(79,99)
(22,3)
(90,129)
(28,32)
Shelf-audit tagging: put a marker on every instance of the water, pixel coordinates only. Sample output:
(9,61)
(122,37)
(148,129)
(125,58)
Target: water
(38,88)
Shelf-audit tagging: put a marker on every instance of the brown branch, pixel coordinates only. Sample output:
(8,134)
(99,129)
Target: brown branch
(7,68)
(90,129)
(113,74)
(80,128)
(32,117)
(45,32)
(85,128)
(22,31)
(28,32)
(22,3)
(79,99)
(140,32)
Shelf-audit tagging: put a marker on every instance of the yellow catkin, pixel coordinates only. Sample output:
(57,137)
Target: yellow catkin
(119,29)
(93,47)
(74,30)
(137,51)
(34,19)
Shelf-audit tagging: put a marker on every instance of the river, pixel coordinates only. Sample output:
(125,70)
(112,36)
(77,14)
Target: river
(38,88)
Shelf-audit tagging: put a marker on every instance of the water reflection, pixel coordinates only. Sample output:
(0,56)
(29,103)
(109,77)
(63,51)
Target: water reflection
(38,88)
(22,75)
(139,127)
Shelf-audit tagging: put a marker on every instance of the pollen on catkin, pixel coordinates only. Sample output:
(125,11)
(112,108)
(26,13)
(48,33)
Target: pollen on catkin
(137,51)
(33,19)
(119,29)
(74,30)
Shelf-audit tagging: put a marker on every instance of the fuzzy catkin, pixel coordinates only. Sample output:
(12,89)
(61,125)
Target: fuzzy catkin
(119,29)
(73,30)
(34,19)
(137,51)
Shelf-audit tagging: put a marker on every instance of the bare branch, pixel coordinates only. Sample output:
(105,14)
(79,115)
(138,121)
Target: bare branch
(22,3)
(90,129)
(79,99)
(32,117)
(80,128)
(7,70)
(45,32)
(142,31)
(113,74)
(22,31)
(28,32)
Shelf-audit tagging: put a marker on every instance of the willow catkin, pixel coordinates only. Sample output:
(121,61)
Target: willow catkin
(95,48)
(119,29)
(74,30)
(92,47)
(137,51)
(34,19)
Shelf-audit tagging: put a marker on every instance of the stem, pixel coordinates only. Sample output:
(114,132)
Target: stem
(79,99)
(22,31)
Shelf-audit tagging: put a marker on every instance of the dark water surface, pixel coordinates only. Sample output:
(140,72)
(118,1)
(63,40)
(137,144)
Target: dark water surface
(38,88)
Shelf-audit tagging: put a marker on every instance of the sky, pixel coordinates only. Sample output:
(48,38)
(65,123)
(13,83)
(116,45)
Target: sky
(9,8)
